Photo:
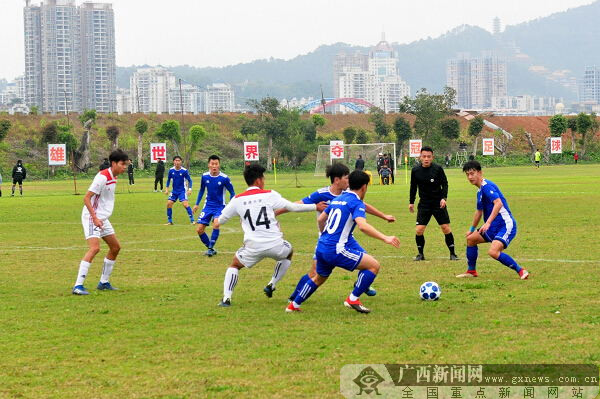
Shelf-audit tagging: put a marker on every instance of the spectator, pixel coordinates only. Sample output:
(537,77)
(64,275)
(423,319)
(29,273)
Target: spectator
(391,165)
(385,174)
(0,184)
(19,173)
(130,173)
(576,157)
(360,163)
(105,164)
(379,162)
(159,174)
(447,160)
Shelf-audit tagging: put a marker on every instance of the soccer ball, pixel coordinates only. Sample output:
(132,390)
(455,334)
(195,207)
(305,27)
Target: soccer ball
(430,291)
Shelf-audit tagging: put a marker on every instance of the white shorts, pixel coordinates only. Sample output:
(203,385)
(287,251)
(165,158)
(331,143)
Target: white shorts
(251,256)
(90,230)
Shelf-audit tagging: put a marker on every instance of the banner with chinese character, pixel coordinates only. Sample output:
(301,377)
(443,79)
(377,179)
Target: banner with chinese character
(555,145)
(251,151)
(488,147)
(57,154)
(158,151)
(415,148)
(336,149)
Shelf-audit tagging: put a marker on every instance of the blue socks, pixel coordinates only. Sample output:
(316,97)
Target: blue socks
(472,257)
(301,283)
(363,282)
(189,211)
(214,237)
(507,261)
(204,239)
(170,215)
(305,292)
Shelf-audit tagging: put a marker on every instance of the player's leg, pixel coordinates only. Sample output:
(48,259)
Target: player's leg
(474,239)
(214,236)
(201,224)
(13,188)
(231,279)
(500,242)
(283,256)
(420,240)
(114,247)
(310,275)
(21,187)
(442,217)
(188,209)
(368,269)
(170,203)
(310,285)
(84,265)
(155,183)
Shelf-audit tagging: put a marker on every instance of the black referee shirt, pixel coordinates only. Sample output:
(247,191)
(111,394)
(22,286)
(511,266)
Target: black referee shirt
(432,184)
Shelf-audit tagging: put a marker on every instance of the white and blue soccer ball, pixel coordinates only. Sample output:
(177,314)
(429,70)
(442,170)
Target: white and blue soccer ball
(430,291)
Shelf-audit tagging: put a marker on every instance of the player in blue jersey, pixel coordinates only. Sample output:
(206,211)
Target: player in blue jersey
(214,182)
(338,175)
(337,246)
(180,177)
(499,227)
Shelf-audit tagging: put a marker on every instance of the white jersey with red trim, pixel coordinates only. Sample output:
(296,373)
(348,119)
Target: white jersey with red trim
(103,200)
(256,209)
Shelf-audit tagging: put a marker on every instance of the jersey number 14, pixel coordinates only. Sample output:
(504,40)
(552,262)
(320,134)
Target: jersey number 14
(261,220)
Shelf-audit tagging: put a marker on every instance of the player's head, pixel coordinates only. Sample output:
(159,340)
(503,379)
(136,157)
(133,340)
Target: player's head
(118,161)
(214,164)
(426,156)
(473,171)
(359,156)
(19,162)
(177,161)
(254,174)
(359,181)
(338,175)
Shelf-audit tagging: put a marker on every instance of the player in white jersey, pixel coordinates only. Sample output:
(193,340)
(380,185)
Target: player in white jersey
(262,236)
(98,203)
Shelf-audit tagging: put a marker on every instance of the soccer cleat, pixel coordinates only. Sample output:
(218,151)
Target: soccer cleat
(211,252)
(371,292)
(356,305)
(106,287)
(225,303)
(268,290)
(419,257)
(80,290)
(468,274)
(454,257)
(169,224)
(524,274)
(291,308)
(192,222)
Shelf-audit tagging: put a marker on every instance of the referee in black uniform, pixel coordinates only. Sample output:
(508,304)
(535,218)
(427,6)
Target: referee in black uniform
(433,192)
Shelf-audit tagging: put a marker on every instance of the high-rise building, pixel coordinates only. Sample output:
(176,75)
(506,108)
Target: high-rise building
(497,26)
(372,77)
(70,56)
(477,80)
(150,90)
(219,97)
(590,85)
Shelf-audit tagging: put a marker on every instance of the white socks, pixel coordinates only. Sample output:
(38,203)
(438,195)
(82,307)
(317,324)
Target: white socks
(281,268)
(231,279)
(107,270)
(83,271)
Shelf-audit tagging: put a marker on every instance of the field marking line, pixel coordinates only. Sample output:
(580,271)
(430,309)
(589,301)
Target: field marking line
(186,251)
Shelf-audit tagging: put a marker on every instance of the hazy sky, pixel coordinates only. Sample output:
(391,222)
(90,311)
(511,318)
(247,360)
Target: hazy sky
(223,32)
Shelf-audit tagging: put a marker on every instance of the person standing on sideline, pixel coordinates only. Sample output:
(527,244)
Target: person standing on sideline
(98,206)
(19,173)
(130,173)
(391,165)
(537,157)
(360,163)
(181,190)
(0,184)
(576,157)
(431,181)
(159,174)
(447,160)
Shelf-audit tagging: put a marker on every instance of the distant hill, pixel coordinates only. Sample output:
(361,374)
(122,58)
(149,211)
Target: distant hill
(562,41)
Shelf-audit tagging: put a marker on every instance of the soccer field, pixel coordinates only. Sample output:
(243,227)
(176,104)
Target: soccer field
(162,335)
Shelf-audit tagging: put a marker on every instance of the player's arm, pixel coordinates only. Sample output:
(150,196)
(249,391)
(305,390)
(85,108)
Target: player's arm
(295,207)
(87,201)
(228,212)
(495,211)
(373,232)
(200,195)
(322,220)
(413,191)
(189,180)
(444,183)
(371,210)
(281,211)
(229,188)
(169,177)
(476,219)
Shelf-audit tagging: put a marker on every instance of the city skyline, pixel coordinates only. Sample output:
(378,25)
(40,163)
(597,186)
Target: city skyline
(139,43)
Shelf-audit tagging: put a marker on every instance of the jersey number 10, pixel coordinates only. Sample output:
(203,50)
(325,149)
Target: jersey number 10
(261,220)
(333,221)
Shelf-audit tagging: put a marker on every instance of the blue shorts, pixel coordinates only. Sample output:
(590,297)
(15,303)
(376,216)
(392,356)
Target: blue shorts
(502,233)
(182,196)
(348,258)
(207,215)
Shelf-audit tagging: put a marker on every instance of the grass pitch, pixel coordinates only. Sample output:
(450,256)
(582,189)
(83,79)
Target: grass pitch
(162,335)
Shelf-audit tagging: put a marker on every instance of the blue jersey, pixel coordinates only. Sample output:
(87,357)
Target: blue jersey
(215,187)
(321,195)
(342,211)
(179,178)
(488,192)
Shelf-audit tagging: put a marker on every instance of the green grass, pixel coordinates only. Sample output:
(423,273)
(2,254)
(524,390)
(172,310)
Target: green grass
(162,335)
